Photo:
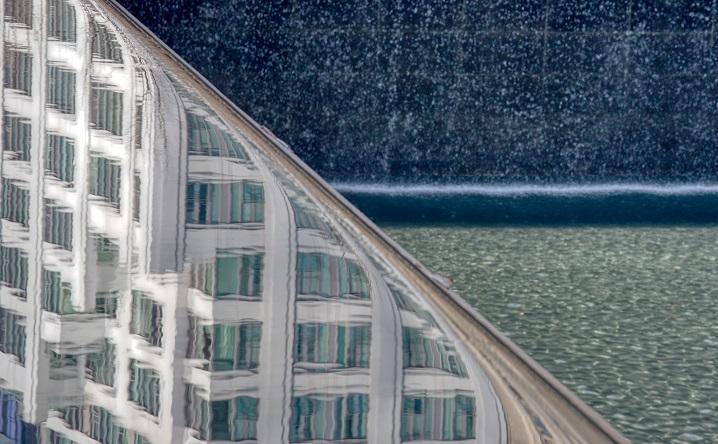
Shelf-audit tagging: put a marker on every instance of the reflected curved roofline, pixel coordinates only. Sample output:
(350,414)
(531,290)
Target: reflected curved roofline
(534,399)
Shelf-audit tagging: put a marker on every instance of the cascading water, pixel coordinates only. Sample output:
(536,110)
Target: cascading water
(465,91)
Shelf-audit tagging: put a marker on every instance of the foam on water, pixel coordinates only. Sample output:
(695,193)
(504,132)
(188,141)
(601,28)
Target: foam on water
(526,204)
(508,190)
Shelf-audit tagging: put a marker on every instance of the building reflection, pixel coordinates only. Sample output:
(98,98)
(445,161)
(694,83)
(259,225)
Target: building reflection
(162,281)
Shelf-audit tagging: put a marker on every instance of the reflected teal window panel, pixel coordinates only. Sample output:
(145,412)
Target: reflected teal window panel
(61,21)
(426,418)
(17,70)
(146,318)
(144,387)
(322,417)
(17,136)
(60,157)
(56,294)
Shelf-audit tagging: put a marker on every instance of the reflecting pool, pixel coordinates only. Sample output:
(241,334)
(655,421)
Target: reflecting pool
(625,316)
(162,280)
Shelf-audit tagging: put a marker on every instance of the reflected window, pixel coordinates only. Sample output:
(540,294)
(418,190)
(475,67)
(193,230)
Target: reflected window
(139,111)
(225,203)
(13,269)
(421,351)
(328,417)
(11,411)
(12,334)
(61,89)
(145,387)
(56,295)
(322,347)
(100,365)
(105,179)
(17,135)
(136,195)
(139,439)
(305,218)
(232,275)
(223,420)
(107,251)
(437,419)
(203,138)
(98,423)
(104,44)
(106,303)
(19,11)
(18,70)
(252,202)
(62,366)
(226,346)
(54,437)
(146,318)
(72,416)
(405,302)
(15,203)
(103,427)
(106,109)
(58,226)
(329,276)
(60,157)
(61,21)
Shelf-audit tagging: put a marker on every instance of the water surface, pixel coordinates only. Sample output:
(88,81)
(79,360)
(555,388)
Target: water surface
(625,316)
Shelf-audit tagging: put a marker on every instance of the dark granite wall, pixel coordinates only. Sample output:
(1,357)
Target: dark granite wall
(501,90)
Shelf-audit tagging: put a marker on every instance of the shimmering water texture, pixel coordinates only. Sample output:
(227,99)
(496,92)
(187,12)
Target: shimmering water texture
(163,280)
(626,317)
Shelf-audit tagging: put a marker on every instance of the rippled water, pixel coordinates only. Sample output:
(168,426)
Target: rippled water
(626,317)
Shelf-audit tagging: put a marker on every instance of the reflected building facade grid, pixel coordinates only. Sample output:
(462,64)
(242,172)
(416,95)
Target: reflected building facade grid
(162,281)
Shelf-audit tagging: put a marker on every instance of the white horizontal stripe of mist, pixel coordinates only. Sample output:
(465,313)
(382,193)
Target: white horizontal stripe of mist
(528,190)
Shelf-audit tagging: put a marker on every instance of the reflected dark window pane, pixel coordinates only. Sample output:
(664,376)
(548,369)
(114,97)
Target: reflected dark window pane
(60,157)
(15,203)
(223,420)
(105,180)
(61,21)
(106,109)
(320,274)
(58,226)
(13,270)
(232,275)
(226,346)
(17,70)
(207,139)
(56,294)
(17,135)
(106,303)
(323,347)
(61,89)
(421,351)
(11,410)
(104,44)
(19,11)
(12,334)
(101,365)
(145,387)
(322,417)
(146,318)
(224,203)
(107,250)
(437,419)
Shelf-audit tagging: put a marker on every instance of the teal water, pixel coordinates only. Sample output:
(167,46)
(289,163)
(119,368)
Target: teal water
(624,316)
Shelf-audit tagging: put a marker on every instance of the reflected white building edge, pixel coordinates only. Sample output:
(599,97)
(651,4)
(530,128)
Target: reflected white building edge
(163,280)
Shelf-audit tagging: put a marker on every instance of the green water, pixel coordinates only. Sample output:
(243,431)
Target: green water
(625,317)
